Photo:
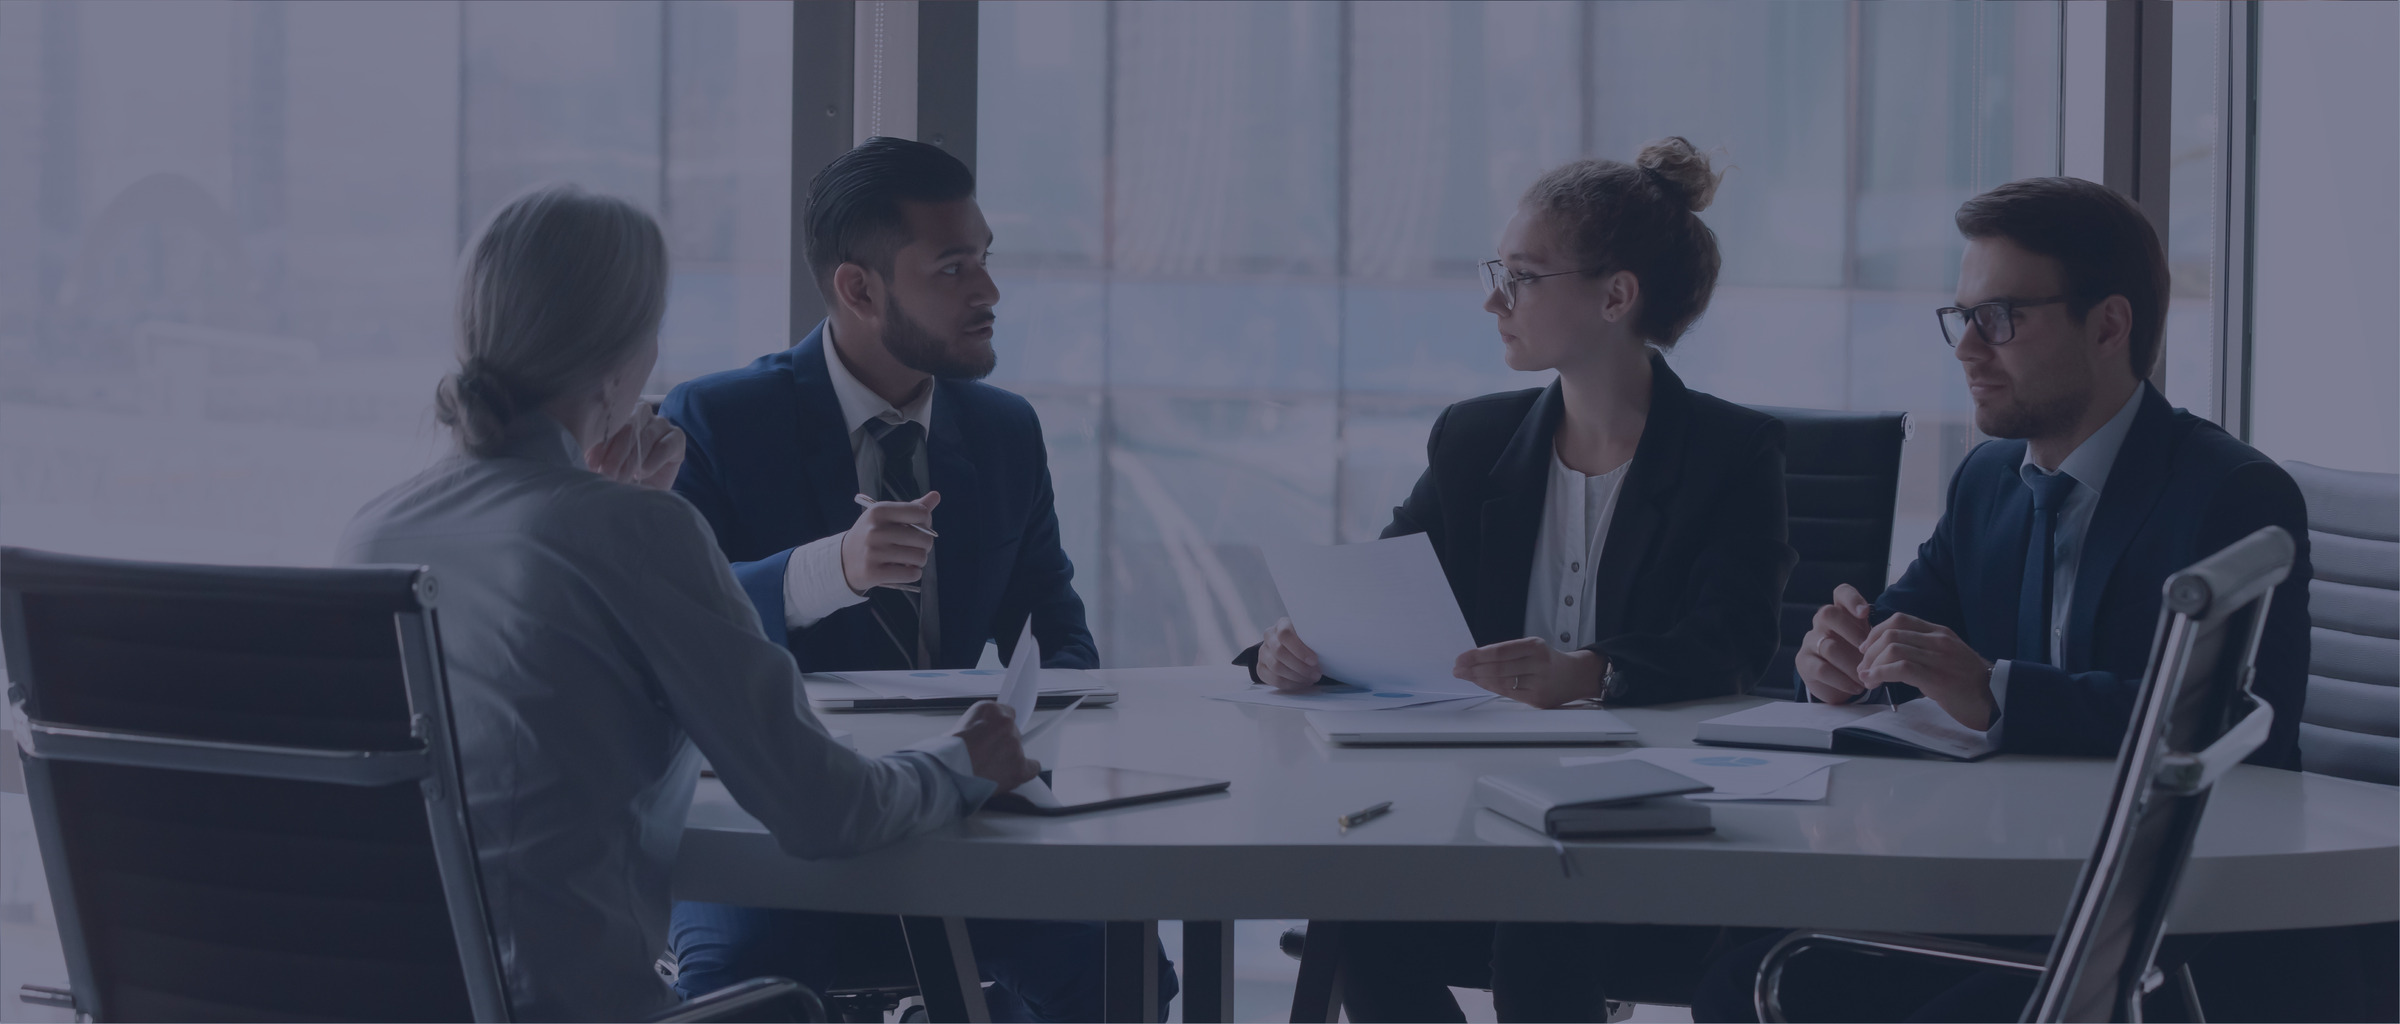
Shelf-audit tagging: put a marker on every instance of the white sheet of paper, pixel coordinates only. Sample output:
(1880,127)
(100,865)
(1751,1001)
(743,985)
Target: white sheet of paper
(1019,687)
(1033,738)
(1379,614)
(1347,699)
(1736,774)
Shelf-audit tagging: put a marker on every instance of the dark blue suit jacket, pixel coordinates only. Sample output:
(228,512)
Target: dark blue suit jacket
(2181,490)
(769,463)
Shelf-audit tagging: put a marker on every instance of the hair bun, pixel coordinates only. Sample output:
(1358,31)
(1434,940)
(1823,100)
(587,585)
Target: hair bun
(1675,163)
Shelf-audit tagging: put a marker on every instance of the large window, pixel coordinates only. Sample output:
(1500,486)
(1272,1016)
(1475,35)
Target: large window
(234,231)
(1237,242)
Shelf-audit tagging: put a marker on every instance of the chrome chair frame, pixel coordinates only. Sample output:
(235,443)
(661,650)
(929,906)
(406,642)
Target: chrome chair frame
(2121,899)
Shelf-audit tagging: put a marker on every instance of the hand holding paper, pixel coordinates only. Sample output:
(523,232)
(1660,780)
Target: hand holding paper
(1378,614)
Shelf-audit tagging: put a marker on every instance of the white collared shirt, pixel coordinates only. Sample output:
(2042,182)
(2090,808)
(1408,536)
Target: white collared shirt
(813,584)
(597,648)
(1576,510)
(2089,464)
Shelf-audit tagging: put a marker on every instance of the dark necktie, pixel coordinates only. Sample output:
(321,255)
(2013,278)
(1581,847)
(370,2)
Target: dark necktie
(2034,595)
(897,609)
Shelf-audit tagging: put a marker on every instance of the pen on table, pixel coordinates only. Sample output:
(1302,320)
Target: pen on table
(863,501)
(1363,817)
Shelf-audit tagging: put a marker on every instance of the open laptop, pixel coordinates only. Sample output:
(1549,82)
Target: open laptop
(1481,727)
(943,690)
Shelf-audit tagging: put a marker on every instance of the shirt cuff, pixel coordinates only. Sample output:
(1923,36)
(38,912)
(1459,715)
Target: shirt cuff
(950,752)
(1999,700)
(813,587)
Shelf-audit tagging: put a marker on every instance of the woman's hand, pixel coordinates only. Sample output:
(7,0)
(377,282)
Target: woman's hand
(1284,662)
(646,452)
(1532,671)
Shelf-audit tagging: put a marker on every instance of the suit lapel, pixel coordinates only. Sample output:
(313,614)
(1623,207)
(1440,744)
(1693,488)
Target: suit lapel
(1641,499)
(959,518)
(826,460)
(2135,482)
(1512,517)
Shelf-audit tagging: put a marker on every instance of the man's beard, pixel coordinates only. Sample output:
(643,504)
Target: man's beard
(918,349)
(2042,417)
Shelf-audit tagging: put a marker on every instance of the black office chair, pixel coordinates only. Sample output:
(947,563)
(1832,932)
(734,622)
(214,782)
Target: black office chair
(1841,480)
(2194,719)
(247,801)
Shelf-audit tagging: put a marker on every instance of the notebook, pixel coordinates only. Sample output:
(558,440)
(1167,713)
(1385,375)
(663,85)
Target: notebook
(1472,727)
(1613,798)
(1919,727)
(952,689)
(1093,787)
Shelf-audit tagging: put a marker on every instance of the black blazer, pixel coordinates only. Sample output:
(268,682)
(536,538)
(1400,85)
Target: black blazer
(2181,490)
(1690,579)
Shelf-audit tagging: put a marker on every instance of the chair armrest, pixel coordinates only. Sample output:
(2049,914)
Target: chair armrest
(777,999)
(1769,994)
(2186,774)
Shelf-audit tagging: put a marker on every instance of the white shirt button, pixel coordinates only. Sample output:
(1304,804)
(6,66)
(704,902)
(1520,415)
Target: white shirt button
(1562,638)
(1570,600)
(1574,566)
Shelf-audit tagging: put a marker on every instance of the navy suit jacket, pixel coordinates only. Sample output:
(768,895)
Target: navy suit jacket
(769,462)
(2181,490)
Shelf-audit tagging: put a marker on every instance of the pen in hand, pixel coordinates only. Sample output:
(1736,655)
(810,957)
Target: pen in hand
(863,501)
(1363,817)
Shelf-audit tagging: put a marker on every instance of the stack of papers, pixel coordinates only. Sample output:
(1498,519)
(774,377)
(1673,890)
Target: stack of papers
(1735,774)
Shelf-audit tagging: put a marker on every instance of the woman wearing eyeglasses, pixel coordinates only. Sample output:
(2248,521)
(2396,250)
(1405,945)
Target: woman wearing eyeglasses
(1615,537)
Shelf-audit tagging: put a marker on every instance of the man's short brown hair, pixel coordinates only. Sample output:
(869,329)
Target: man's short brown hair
(2103,244)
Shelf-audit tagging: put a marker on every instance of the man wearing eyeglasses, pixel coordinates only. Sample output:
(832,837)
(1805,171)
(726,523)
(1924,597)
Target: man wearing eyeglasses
(2029,612)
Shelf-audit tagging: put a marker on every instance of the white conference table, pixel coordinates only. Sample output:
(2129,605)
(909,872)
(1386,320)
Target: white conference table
(1903,845)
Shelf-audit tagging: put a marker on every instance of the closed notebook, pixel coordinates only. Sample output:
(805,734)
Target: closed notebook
(1613,798)
(1918,727)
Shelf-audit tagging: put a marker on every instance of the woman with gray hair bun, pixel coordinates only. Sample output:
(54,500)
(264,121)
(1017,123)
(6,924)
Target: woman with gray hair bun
(597,646)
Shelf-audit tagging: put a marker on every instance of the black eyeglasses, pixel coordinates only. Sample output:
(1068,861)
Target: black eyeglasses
(1997,319)
(1497,278)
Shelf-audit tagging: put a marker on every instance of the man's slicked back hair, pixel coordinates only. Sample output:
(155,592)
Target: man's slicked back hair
(2103,244)
(853,213)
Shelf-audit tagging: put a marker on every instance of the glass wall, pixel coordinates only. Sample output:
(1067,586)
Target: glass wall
(1237,243)
(235,231)
(232,231)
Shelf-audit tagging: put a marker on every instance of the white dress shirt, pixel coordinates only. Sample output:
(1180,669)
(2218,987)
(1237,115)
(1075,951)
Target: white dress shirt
(597,647)
(2089,464)
(813,584)
(1566,554)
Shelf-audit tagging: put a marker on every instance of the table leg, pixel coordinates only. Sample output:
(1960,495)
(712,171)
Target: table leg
(1207,972)
(1130,969)
(945,964)
(1318,995)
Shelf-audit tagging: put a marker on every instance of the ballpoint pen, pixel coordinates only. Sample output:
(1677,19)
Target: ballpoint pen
(1363,817)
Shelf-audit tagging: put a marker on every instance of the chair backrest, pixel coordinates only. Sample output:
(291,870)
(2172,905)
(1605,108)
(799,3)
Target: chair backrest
(2193,719)
(1841,473)
(244,789)
(2350,725)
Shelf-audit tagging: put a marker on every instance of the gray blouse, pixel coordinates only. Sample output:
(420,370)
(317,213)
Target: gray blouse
(598,647)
